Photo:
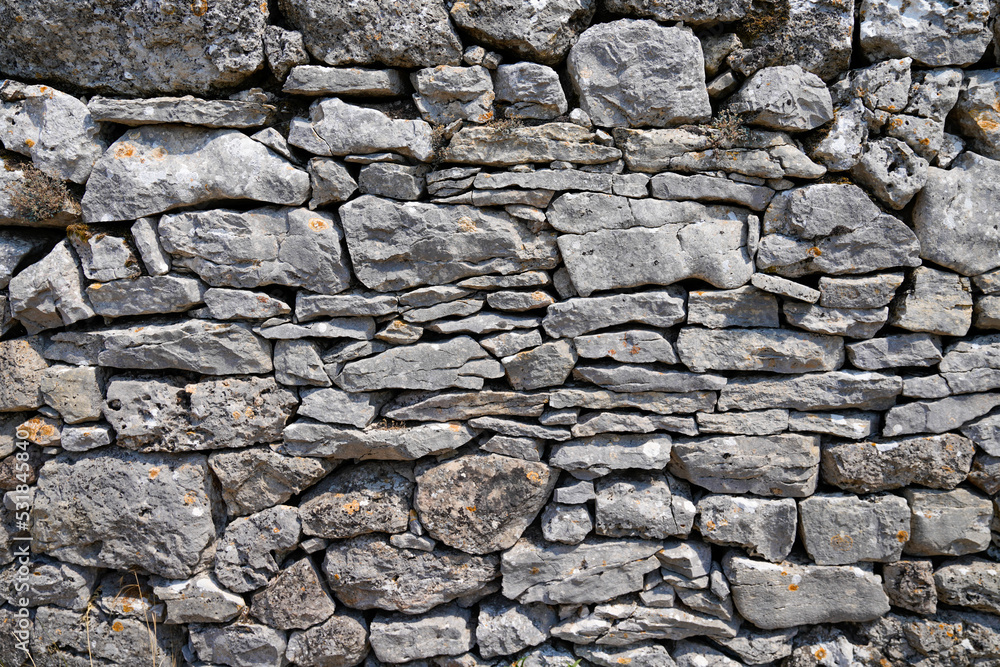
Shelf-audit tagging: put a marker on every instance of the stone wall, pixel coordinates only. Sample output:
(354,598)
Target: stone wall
(497,332)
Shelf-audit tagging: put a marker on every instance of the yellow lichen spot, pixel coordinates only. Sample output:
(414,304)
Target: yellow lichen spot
(352,507)
(455,427)
(793,587)
(248,413)
(842,542)
(124,150)
(126,608)
(902,536)
(158,153)
(471,508)
(533,476)
(117,626)
(535,570)
(624,661)
(466,224)
(263,7)
(29,143)
(190,498)
(153,472)
(318,224)
(710,525)
(820,654)
(96,286)
(276,530)
(199,7)
(236,414)
(814,252)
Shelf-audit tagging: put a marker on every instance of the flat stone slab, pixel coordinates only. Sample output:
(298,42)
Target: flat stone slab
(186,110)
(491,147)
(813,391)
(577,316)
(317,80)
(775,350)
(307,438)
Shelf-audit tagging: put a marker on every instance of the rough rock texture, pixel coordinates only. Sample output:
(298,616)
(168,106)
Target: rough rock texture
(933,33)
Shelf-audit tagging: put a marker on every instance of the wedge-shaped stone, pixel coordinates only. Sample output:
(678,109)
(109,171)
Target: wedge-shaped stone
(415,34)
(49,293)
(296,598)
(183,110)
(397,245)
(201,346)
(265,246)
(774,465)
(956,214)
(306,438)
(588,458)
(256,478)
(937,461)
(813,391)
(367,572)
(316,80)
(711,250)
(653,401)
(145,295)
(482,503)
(169,414)
(458,362)
(946,414)
(137,175)
(710,188)
(494,147)
(775,350)
(985,432)
(335,127)
(197,49)
(596,570)
(650,505)
(254,546)
(841,529)
(159,521)
(340,407)
(574,317)
(634,346)
(199,599)
(765,528)
(975,353)
(948,523)
(742,307)
(864,292)
(364,498)
(775,596)
(449,405)
(624,624)
(619,87)
(861,323)
(546,179)
(630,378)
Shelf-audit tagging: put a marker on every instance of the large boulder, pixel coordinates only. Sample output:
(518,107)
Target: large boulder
(935,33)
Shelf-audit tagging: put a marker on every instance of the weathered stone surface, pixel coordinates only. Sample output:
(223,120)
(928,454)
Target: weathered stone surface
(975,113)
(135,176)
(834,229)
(910,585)
(938,416)
(980,352)
(446,94)
(895,350)
(934,301)
(541,31)
(776,465)
(82,438)
(284,49)
(841,148)
(568,524)
(635,346)
(289,246)
(444,631)
(298,363)
(349,304)
(547,179)
(937,461)
(252,548)
(530,90)
(457,362)
(49,293)
(970,582)
(366,572)
(195,49)
(49,582)
(985,473)
(256,478)
(765,528)
(296,598)
(851,322)
(775,350)
(574,317)
(491,147)
(145,295)
(120,509)
(933,33)
(596,456)
(366,498)
(659,402)
(891,170)
(631,378)
(710,188)
(814,391)
(627,623)
(784,287)
(102,256)
(774,596)
(316,80)
(784,98)
(340,407)
(947,523)
(505,627)
(330,181)
(339,642)
(169,414)
(74,392)
(517,429)
(715,251)
(387,238)
(239,644)
(52,128)
(985,432)
(482,503)
(596,570)
(852,424)
(396,181)
(742,307)
(335,127)
(619,88)
(650,505)
(182,110)
(948,235)
(641,654)
(763,422)
(445,406)
(305,438)
(595,423)
(199,599)
(416,34)
(19,188)
(485,322)
(840,529)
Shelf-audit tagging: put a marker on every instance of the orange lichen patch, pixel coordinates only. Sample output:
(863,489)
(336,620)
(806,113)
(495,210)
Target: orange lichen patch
(237,414)
(276,530)
(455,427)
(351,507)
(190,498)
(124,150)
(117,626)
(318,224)
(533,476)
(158,153)
(902,536)
(814,252)
(29,142)
(153,472)
(36,429)
(127,608)
(535,570)
(710,525)
(466,224)
(820,654)
(624,661)
(263,7)
(199,7)
(471,508)
(793,587)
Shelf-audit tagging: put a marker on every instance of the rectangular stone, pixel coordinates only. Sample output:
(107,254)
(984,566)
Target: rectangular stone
(812,391)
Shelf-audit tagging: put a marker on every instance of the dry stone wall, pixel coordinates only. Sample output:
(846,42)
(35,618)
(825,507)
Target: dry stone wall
(660,333)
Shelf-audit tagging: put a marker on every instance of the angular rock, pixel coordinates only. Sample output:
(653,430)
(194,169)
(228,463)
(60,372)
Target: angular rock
(633,378)
(765,528)
(82,438)
(934,34)
(252,548)
(75,393)
(457,362)
(54,129)
(48,582)
(365,498)
(169,414)
(298,363)
(186,110)
(239,644)
(773,596)
(784,287)
(841,147)
(948,235)
(505,627)
(446,94)
(618,88)
(568,524)
(814,391)
(339,407)
(895,350)
(775,350)
(28,198)
(574,317)
(312,306)
(741,307)
(306,438)
(934,301)
(596,456)
(256,478)
(385,238)
(646,505)
(145,295)
(975,113)
(658,402)
(493,147)
(119,509)
(445,406)
(226,165)
(763,422)
(199,599)
(985,432)
(947,523)
(938,416)
(147,242)
(366,572)
(517,429)
(337,128)
(777,465)
(284,50)
(103,257)
(546,179)
(970,583)
(400,638)
(675,187)
(641,654)
(910,585)
(341,640)
(296,598)
(840,529)
(891,170)
(937,461)
(352,328)
(415,34)
(49,293)
(330,181)
(784,98)
(851,322)
(485,322)
(519,301)
(530,90)
(635,346)
(396,181)
(315,80)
